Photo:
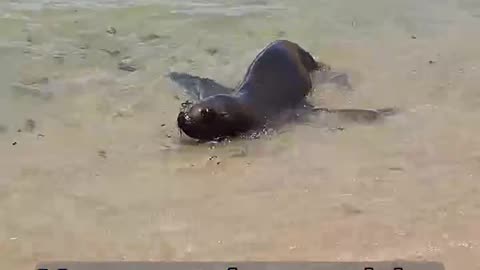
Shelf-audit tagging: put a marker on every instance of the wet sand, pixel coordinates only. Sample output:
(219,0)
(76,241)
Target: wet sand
(102,174)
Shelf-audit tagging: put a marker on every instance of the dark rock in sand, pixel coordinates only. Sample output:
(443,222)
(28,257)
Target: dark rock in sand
(350,209)
(59,57)
(151,37)
(111,53)
(102,153)
(127,65)
(212,51)
(111,30)
(29,125)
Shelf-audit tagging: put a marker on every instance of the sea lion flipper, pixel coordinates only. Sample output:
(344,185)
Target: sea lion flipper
(339,79)
(359,115)
(197,87)
(323,72)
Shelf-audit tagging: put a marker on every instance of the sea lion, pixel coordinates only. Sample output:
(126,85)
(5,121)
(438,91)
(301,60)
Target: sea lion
(277,81)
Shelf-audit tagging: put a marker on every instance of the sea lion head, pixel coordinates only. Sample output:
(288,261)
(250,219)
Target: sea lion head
(216,117)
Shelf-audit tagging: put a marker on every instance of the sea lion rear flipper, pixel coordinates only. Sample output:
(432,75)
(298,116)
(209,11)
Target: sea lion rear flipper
(340,79)
(359,115)
(305,111)
(197,87)
(333,77)
(323,72)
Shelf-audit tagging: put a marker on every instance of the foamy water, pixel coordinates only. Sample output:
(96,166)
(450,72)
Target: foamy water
(92,166)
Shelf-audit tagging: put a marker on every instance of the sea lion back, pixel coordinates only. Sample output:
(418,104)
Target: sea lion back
(280,75)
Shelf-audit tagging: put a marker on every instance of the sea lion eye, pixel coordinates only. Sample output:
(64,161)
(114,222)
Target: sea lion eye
(207,114)
(224,115)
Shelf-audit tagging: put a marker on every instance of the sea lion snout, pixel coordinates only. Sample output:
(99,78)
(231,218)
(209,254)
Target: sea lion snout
(186,124)
(182,119)
(216,117)
(198,122)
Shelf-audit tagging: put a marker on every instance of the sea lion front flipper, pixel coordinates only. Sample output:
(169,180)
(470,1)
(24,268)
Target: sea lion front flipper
(197,87)
(358,115)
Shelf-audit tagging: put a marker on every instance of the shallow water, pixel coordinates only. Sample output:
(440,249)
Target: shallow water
(101,172)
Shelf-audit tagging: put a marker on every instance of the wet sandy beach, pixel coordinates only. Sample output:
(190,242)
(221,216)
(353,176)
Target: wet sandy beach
(92,166)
